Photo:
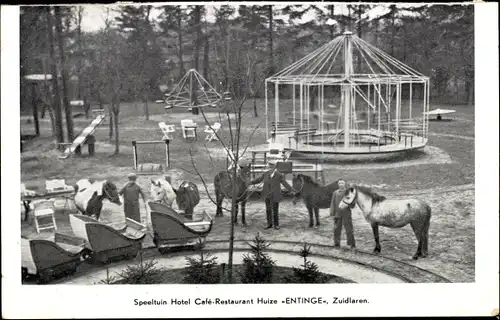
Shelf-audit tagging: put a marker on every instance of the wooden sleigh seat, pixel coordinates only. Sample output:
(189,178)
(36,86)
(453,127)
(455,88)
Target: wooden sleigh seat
(107,243)
(48,259)
(174,230)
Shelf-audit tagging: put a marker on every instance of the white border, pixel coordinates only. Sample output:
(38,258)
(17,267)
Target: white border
(479,298)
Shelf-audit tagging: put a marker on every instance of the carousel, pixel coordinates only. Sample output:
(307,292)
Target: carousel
(348,98)
(194,91)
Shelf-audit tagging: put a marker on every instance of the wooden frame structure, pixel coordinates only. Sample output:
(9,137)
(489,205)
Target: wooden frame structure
(153,167)
(359,76)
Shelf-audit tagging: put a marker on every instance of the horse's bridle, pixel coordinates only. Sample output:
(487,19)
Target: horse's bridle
(107,193)
(302,186)
(353,199)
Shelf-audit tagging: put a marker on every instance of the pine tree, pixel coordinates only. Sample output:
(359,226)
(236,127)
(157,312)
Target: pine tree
(308,273)
(202,270)
(143,272)
(257,267)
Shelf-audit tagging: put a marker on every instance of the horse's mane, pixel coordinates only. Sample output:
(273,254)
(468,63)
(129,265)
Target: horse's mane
(369,192)
(308,179)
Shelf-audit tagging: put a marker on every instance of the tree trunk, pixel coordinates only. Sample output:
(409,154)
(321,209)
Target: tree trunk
(116,111)
(110,112)
(146,107)
(64,75)
(226,69)
(255,106)
(56,102)
(332,27)
(181,51)
(196,57)
(206,62)
(80,53)
(271,53)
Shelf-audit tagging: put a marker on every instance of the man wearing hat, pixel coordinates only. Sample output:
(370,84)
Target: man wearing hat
(271,192)
(131,192)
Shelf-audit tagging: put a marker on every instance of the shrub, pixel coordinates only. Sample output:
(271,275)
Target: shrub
(308,273)
(141,273)
(258,267)
(202,270)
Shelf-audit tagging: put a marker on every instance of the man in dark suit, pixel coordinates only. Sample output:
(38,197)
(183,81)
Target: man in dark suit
(271,192)
(341,217)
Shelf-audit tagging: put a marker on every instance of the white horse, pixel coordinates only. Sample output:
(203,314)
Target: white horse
(90,194)
(379,211)
(162,191)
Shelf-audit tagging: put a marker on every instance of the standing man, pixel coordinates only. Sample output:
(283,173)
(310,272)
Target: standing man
(341,217)
(131,192)
(271,192)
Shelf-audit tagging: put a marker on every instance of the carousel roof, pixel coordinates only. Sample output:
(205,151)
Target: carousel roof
(327,64)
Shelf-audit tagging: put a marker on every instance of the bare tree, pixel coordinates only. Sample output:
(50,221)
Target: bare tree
(236,147)
(57,98)
(64,74)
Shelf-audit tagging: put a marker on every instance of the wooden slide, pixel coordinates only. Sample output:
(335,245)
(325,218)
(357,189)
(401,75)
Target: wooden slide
(83,136)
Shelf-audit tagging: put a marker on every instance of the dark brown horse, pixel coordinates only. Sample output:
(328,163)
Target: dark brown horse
(314,195)
(187,197)
(223,185)
(89,195)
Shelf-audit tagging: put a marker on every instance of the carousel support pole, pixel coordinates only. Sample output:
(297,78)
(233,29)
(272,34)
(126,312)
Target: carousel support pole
(267,119)
(423,113)
(427,108)
(348,90)
(411,93)
(321,94)
(307,110)
(398,104)
(276,104)
(301,89)
(293,102)
(369,107)
(379,115)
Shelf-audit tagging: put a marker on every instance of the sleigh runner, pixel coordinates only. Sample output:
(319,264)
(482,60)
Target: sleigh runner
(171,230)
(106,243)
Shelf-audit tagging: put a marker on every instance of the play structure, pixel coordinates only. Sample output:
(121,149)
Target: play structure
(85,137)
(150,168)
(366,84)
(173,230)
(193,91)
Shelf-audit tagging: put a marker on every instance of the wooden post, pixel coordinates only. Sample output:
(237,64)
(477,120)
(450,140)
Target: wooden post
(167,152)
(134,150)
(91,145)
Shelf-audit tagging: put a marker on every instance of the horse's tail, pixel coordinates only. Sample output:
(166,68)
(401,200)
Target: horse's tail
(428,211)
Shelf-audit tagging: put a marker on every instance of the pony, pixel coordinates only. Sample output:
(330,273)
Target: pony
(313,195)
(89,195)
(162,191)
(379,211)
(186,196)
(223,185)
